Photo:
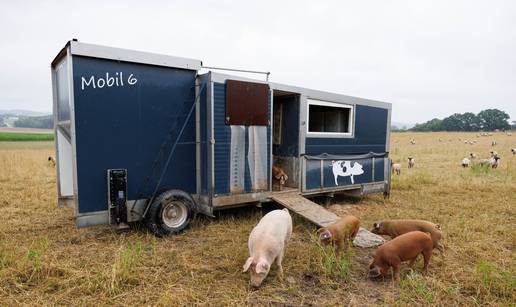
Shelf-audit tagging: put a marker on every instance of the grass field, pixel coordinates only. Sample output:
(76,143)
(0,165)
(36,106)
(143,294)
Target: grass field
(19,136)
(45,260)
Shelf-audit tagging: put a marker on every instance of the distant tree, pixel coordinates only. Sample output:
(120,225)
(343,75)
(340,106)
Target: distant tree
(488,120)
(44,122)
(470,122)
(492,119)
(431,125)
(513,124)
(453,123)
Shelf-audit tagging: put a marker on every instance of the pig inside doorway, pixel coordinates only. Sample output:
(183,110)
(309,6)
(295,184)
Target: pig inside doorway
(285,136)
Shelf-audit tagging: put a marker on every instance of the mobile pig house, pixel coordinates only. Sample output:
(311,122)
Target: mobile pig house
(141,136)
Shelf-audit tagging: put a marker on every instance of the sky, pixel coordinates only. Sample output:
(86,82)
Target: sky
(428,58)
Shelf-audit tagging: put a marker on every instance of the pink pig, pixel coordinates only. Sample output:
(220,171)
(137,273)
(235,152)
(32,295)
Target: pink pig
(267,244)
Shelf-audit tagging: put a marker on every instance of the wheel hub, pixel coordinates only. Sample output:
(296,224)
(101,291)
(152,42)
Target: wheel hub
(174,214)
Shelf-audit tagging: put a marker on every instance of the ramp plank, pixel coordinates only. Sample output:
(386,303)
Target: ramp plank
(306,208)
(322,217)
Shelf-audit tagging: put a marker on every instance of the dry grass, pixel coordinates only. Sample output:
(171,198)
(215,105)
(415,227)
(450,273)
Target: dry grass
(45,260)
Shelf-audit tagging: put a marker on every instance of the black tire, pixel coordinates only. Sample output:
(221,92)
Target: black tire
(170,212)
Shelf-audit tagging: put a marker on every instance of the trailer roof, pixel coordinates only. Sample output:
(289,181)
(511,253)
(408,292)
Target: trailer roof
(126,55)
(310,93)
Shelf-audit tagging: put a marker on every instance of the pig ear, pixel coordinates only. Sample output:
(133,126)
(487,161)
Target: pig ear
(248,264)
(262,267)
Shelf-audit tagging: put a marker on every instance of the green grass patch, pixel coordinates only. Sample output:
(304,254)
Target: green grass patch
(17,137)
(491,281)
(331,264)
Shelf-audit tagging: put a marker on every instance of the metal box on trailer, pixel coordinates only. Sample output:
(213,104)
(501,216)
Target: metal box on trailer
(141,136)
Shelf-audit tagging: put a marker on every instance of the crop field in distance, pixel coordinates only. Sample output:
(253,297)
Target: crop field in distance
(24,136)
(45,260)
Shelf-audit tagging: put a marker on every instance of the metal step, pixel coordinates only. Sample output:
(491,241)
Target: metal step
(306,208)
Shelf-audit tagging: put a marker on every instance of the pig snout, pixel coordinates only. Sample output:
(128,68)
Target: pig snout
(374,271)
(257,271)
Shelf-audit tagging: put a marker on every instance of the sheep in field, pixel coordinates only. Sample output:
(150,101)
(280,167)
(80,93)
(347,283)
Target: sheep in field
(411,162)
(396,168)
(465,162)
(51,161)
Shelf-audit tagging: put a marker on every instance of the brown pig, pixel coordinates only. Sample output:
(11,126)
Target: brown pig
(340,232)
(402,248)
(394,228)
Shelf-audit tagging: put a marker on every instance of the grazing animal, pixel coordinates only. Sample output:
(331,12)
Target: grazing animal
(396,167)
(394,228)
(492,162)
(412,141)
(266,244)
(472,155)
(493,143)
(466,142)
(402,248)
(513,150)
(339,233)
(493,153)
(509,134)
(465,162)
(52,161)
(280,177)
(411,162)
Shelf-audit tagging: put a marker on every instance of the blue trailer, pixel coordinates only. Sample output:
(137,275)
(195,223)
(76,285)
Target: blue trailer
(142,136)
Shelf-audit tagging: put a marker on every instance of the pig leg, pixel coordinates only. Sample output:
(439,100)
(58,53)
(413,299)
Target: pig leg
(427,254)
(396,272)
(279,259)
(396,264)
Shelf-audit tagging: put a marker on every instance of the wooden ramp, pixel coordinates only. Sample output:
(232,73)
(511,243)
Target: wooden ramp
(306,208)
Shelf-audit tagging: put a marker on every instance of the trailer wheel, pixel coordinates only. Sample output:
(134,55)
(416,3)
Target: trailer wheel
(171,212)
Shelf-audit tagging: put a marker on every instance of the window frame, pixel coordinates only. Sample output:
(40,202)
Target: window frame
(318,102)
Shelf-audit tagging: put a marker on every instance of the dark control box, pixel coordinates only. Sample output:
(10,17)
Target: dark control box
(117,196)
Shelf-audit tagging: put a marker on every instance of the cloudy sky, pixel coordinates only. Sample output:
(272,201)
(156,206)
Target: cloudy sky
(428,58)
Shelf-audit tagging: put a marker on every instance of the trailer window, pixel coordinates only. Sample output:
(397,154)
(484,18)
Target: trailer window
(329,118)
(247,103)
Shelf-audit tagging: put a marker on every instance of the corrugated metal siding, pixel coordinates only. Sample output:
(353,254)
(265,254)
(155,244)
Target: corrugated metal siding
(269,143)
(222,135)
(370,135)
(247,177)
(203,98)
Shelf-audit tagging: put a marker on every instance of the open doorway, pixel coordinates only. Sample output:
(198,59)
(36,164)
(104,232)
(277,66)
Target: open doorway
(285,138)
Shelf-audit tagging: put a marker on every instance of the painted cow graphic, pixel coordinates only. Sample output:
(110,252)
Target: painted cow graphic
(344,168)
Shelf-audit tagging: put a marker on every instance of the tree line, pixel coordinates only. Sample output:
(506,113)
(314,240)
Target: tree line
(486,120)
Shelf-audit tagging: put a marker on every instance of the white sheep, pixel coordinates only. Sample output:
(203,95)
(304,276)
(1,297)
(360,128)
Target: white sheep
(411,162)
(493,153)
(513,150)
(472,155)
(493,143)
(492,162)
(412,141)
(396,168)
(466,142)
(465,162)
(51,161)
